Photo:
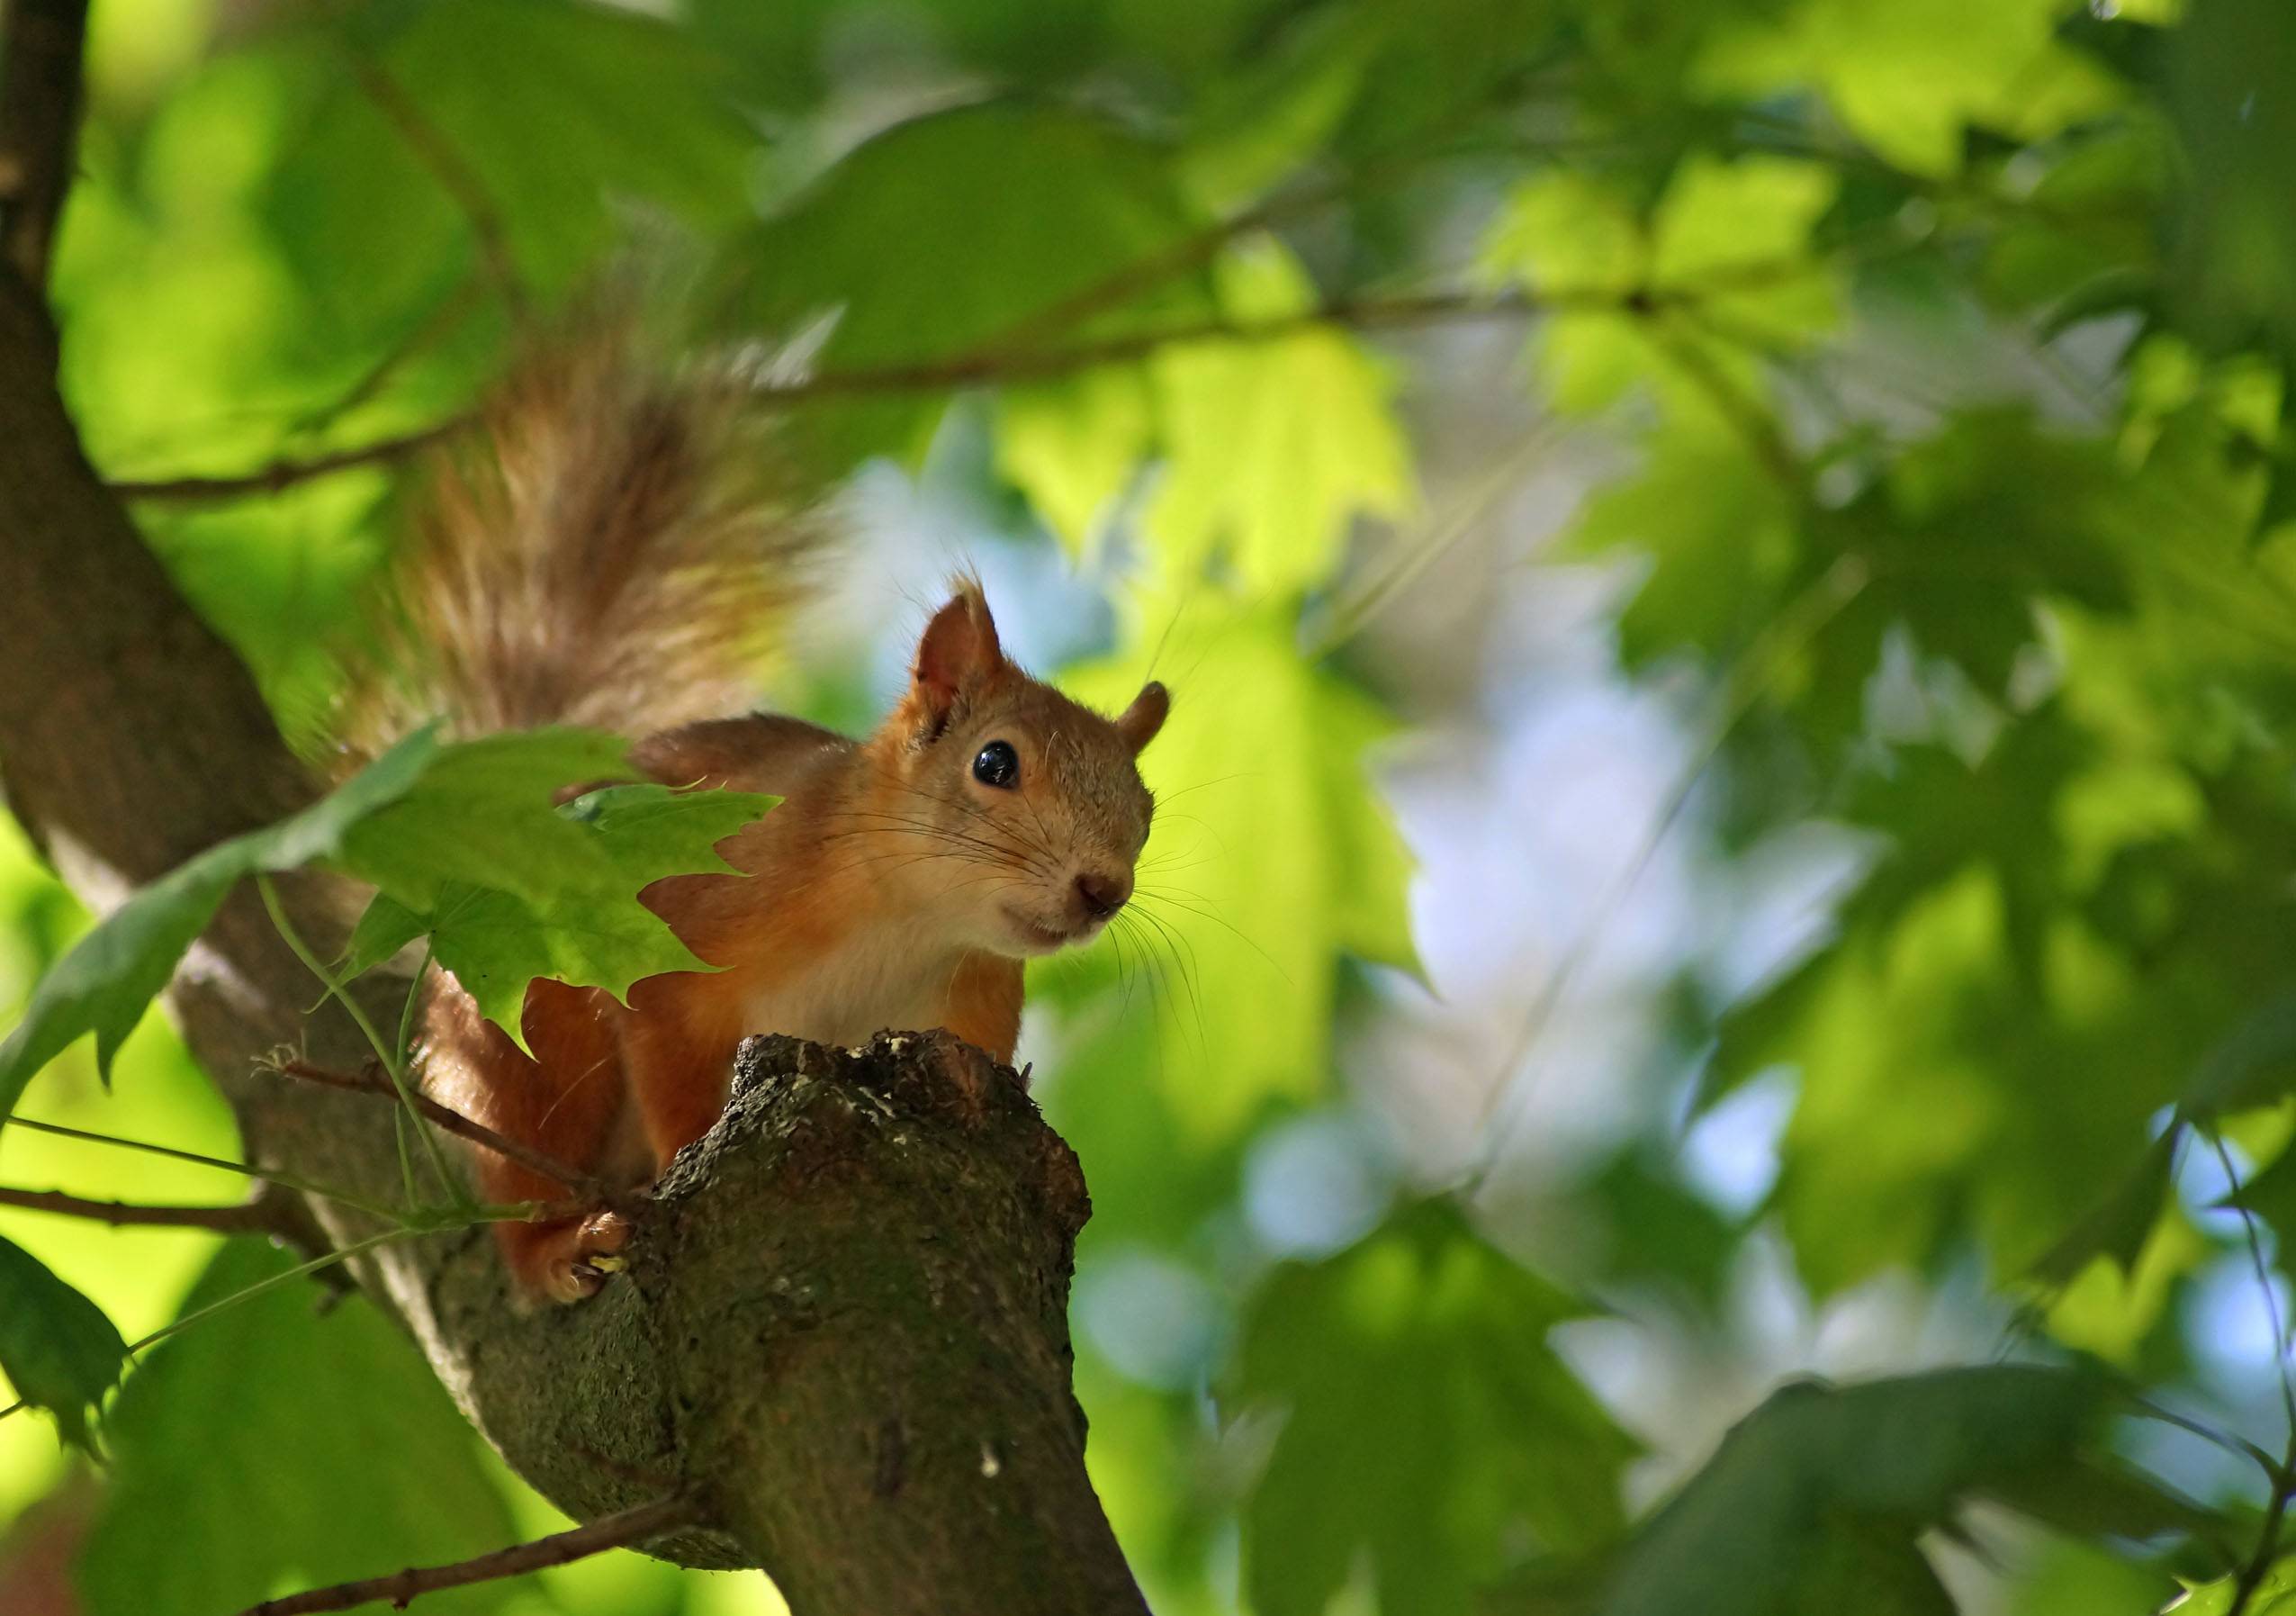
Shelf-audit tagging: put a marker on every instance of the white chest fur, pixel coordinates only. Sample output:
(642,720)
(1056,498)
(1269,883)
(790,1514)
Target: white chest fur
(880,979)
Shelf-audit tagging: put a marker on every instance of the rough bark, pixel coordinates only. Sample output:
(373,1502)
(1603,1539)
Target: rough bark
(845,1324)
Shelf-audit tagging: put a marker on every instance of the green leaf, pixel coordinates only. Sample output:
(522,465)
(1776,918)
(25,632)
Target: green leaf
(111,976)
(384,927)
(1815,1501)
(1717,217)
(2271,1194)
(1073,445)
(1431,1431)
(2275,1595)
(1906,79)
(1272,444)
(495,944)
(1270,855)
(1020,210)
(319,831)
(2252,1065)
(483,815)
(2119,1225)
(2076,1579)
(368,212)
(1255,127)
(1736,236)
(648,831)
(1565,233)
(56,1349)
(459,840)
(275,1446)
(1724,539)
(587,930)
(633,107)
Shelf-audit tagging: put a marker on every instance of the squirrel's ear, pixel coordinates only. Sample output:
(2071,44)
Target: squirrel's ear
(957,652)
(1137,725)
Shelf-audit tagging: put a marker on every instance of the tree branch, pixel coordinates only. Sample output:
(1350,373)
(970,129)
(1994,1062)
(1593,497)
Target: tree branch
(875,1246)
(248,1218)
(978,368)
(583,1185)
(998,362)
(40,114)
(286,472)
(621,1531)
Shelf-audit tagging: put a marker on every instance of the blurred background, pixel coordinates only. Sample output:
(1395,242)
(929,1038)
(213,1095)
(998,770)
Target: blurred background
(1727,576)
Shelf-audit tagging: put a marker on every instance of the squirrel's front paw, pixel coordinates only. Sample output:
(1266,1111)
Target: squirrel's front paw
(579,1259)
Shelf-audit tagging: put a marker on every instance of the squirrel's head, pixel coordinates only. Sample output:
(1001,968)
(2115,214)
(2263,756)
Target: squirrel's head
(1024,808)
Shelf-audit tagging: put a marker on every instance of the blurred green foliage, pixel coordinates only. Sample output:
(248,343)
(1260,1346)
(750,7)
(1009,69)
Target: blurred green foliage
(1951,342)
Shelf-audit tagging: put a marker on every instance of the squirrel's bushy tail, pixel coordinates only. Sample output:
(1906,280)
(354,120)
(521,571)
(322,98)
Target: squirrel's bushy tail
(620,548)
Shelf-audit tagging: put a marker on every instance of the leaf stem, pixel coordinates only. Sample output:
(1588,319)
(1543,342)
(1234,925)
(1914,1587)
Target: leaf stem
(357,1247)
(414,1228)
(383,1052)
(221,1164)
(584,1186)
(2283,1481)
(414,1002)
(2238,1447)
(1796,624)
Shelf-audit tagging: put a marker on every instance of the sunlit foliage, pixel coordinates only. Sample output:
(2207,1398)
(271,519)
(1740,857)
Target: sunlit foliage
(1947,344)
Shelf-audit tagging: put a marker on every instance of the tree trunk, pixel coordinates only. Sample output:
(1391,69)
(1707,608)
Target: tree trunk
(844,1325)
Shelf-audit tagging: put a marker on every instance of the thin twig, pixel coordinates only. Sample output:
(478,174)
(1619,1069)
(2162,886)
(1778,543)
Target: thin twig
(2237,1446)
(620,1530)
(40,115)
(2264,1278)
(986,366)
(1410,553)
(586,1188)
(1788,633)
(341,992)
(2259,1564)
(285,472)
(447,166)
(248,1218)
(962,370)
(990,364)
(326,1259)
(221,1164)
(443,317)
(2283,1480)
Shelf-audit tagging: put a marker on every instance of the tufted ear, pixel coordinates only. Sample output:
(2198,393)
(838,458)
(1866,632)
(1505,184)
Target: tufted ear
(957,655)
(1137,724)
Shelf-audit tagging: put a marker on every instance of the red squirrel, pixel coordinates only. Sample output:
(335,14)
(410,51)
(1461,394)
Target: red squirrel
(617,556)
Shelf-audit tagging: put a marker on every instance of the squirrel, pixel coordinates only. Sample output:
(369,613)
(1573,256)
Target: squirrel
(617,554)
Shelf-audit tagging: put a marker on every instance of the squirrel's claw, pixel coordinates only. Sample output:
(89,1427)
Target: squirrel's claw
(590,1253)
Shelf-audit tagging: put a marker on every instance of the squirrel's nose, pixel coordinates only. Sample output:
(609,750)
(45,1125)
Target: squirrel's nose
(1103,894)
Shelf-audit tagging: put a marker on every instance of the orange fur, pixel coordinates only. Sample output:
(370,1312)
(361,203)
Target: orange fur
(599,572)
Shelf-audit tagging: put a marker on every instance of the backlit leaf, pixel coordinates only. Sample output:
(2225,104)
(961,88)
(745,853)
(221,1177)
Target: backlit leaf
(1907,78)
(111,976)
(56,1349)
(587,930)
(274,1446)
(1272,443)
(1269,856)
(1430,1430)
(1814,1500)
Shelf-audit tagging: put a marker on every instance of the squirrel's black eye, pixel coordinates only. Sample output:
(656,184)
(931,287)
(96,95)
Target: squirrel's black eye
(997,764)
